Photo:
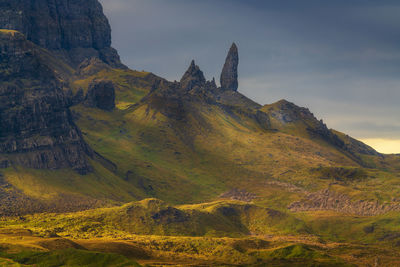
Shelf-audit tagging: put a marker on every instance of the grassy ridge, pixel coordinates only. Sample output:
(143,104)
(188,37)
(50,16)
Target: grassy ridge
(155,217)
(311,239)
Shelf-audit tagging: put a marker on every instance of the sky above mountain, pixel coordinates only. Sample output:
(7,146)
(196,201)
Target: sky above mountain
(339,58)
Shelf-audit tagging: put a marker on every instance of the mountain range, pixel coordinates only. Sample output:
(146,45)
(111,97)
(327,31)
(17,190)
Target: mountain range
(97,157)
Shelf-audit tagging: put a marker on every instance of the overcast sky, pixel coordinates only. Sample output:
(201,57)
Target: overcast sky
(339,58)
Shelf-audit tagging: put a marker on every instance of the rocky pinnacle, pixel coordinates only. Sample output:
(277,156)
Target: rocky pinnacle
(193,77)
(229,75)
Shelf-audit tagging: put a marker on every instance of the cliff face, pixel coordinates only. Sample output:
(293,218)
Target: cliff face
(36,127)
(74,29)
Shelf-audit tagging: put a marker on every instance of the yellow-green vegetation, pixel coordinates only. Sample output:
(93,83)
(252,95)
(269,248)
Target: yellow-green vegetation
(202,160)
(49,184)
(8,263)
(151,231)
(155,217)
(131,85)
(195,159)
(68,257)
(159,158)
(29,249)
(6,31)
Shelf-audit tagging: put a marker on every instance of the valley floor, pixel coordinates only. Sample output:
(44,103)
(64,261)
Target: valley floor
(26,241)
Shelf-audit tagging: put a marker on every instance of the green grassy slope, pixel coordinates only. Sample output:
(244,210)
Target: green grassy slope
(207,153)
(194,154)
(165,251)
(68,257)
(182,150)
(155,217)
(157,144)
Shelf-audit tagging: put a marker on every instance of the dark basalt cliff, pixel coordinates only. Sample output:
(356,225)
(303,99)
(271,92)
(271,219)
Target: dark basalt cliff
(36,127)
(75,30)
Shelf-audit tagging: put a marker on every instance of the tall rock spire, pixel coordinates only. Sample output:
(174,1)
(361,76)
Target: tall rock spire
(229,75)
(193,77)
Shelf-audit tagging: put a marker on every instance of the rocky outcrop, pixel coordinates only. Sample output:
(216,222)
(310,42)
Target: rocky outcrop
(229,75)
(356,146)
(193,77)
(175,100)
(36,127)
(285,113)
(73,29)
(101,94)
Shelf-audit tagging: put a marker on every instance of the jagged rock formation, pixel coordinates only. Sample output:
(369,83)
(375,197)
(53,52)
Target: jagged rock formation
(193,77)
(176,99)
(101,94)
(74,30)
(192,85)
(229,75)
(285,114)
(36,127)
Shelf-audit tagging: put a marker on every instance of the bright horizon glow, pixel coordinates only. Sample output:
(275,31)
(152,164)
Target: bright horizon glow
(386,146)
